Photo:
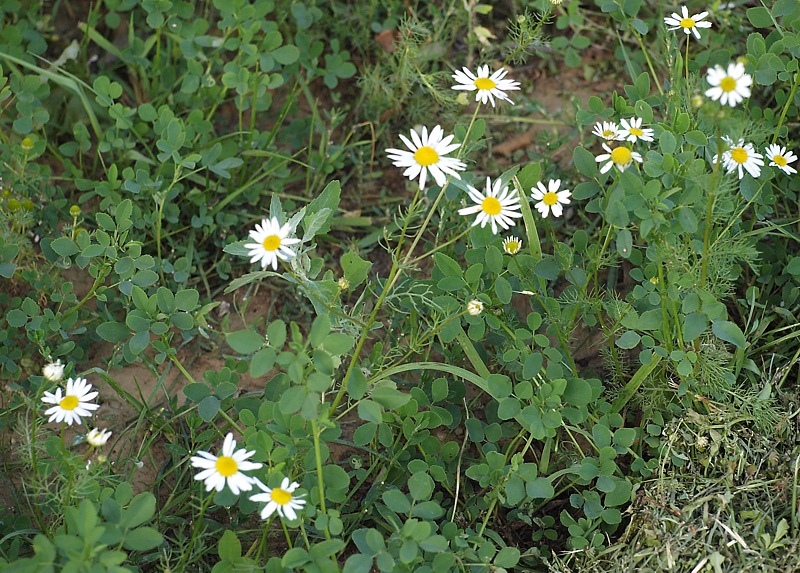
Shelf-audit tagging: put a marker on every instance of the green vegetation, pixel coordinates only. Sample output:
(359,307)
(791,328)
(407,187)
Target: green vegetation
(399,286)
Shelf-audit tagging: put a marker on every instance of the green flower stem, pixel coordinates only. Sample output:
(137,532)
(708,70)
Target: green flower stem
(649,63)
(664,314)
(440,247)
(288,537)
(789,101)
(260,543)
(320,481)
(198,524)
(686,63)
(191,380)
(710,211)
(394,272)
(101,277)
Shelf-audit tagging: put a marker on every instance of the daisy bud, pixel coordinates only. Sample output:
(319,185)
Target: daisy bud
(474,307)
(54,371)
(97,438)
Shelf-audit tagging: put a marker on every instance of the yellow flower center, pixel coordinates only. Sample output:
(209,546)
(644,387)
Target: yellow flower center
(550,199)
(512,247)
(728,84)
(636,131)
(687,23)
(779,160)
(227,466)
(621,156)
(426,156)
(739,155)
(69,403)
(608,133)
(491,206)
(485,84)
(280,496)
(271,243)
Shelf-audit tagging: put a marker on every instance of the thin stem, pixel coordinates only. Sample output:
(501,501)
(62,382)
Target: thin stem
(101,276)
(789,101)
(195,532)
(710,211)
(649,63)
(320,482)
(191,380)
(686,63)
(440,247)
(394,272)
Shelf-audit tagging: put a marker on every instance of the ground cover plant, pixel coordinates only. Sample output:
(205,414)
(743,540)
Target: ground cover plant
(399,286)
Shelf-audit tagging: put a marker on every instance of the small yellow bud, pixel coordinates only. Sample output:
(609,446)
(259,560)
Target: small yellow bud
(13,205)
(74,210)
(27,144)
(27,204)
(343,284)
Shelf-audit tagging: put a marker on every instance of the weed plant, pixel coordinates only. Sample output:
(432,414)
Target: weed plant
(291,286)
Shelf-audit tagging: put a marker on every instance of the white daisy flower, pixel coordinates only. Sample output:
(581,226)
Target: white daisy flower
(54,371)
(271,243)
(280,499)
(728,87)
(74,405)
(620,156)
(226,468)
(98,438)
(488,87)
(512,245)
(496,204)
(632,131)
(690,24)
(778,157)
(474,307)
(741,156)
(607,130)
(428,154)
(550,198)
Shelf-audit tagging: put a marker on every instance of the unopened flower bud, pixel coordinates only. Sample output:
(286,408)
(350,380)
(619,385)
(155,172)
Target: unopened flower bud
(474,307)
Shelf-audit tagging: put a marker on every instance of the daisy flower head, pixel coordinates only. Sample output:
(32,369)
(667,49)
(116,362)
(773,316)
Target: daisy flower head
(271,242)
(426,154)
(728,86)
(280,499)
(741,157)
(73,405)
(98,438)
(488,86)
(474,307)
(778,157)
(512,245)
(496,205)
(689,24)
(549,198)
(606,130)
(632,131)
(620,156)
(54,371)
(226,468)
